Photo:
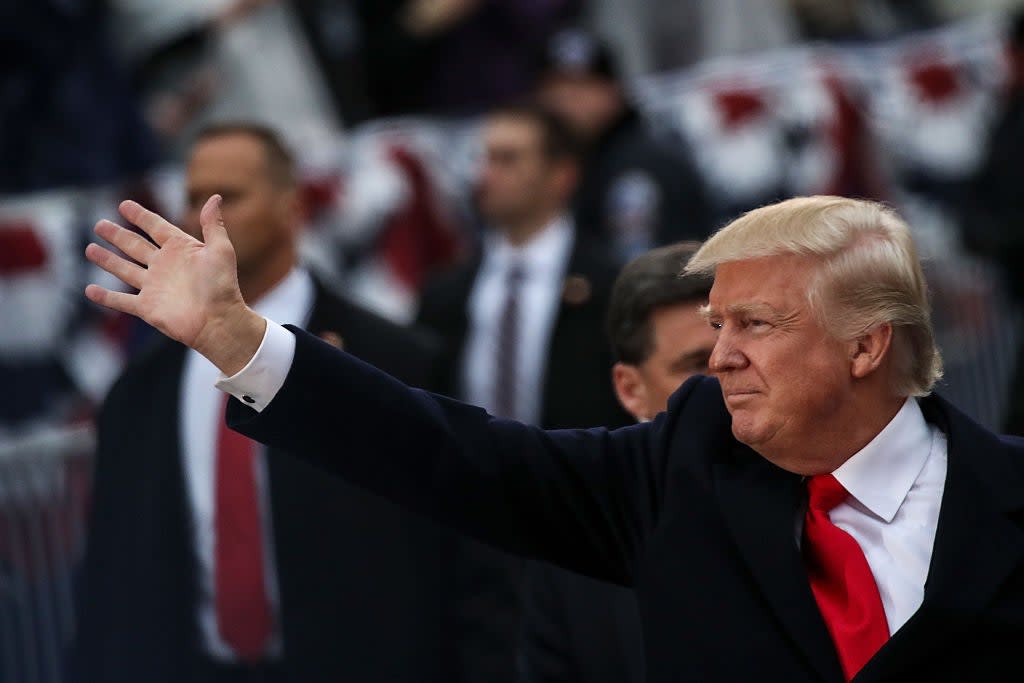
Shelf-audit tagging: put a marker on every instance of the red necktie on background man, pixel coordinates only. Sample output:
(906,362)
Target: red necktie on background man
(240,595)
(841,579)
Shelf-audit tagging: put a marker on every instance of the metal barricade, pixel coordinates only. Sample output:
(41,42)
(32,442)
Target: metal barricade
(43,491)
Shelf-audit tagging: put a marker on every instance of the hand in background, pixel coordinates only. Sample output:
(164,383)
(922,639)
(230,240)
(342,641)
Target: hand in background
(187,289)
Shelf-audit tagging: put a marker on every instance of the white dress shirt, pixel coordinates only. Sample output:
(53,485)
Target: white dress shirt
(201,410)
(896,483)
(543,261)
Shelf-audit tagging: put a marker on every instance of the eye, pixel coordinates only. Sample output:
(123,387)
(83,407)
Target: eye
(715,324)
(756,324)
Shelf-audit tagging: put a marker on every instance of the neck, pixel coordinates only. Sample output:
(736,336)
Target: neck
(257,282)
(519,233)
(868,420)
(837,440)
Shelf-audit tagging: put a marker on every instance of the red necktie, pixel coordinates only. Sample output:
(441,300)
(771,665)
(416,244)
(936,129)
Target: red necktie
(240,597)
(841,579)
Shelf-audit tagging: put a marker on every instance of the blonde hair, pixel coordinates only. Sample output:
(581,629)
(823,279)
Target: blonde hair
(870,273)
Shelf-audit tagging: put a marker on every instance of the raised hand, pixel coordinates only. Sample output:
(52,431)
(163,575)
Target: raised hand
(187,289)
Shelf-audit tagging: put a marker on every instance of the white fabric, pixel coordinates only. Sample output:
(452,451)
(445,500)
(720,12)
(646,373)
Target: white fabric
(896,484)
(544,260)
(259,381)
(201,411)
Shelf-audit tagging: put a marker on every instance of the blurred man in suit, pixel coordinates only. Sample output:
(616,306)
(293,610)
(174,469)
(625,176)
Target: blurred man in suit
(576,628)
(520,320)
(212,559)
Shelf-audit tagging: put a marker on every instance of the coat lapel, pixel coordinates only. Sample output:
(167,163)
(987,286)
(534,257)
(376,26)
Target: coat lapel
(760,503)
(977,543)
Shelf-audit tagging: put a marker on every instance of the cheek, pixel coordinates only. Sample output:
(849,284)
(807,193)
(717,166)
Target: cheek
(808,383)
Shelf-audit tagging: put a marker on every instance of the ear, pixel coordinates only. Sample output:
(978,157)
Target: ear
(631,390)
(868,351)
(567,177)
(291,208)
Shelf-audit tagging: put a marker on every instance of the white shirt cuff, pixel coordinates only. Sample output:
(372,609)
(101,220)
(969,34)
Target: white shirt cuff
(258,382)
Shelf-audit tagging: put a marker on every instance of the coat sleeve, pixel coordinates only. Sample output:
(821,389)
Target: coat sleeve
(581,499)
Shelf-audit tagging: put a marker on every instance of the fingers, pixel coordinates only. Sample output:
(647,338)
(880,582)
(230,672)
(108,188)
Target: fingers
(119,301)
(152,224)
(212,221)
(121,268)
(127,241)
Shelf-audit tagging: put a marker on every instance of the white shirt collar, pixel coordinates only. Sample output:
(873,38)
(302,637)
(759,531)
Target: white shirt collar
(881,474)
(545,253)
(291,297)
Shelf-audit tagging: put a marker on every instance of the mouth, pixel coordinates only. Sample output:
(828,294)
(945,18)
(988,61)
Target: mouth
(739,395)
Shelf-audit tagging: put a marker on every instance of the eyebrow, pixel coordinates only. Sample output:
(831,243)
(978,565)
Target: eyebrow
(707,311)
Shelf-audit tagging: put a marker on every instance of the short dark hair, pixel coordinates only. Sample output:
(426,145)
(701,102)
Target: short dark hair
(280,162)
(558,141)
(650,281)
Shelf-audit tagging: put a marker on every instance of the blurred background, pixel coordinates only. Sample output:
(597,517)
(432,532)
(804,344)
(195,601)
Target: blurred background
(916,103)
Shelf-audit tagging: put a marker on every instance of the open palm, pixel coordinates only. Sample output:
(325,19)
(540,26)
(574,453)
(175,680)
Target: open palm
(187,289)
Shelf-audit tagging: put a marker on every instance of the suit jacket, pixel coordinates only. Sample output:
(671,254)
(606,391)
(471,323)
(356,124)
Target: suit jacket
(578,630)
(699,524)
(577,387)
(368,591)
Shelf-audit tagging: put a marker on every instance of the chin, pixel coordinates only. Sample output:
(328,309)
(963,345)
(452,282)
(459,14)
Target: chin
(748,430)
(745,433)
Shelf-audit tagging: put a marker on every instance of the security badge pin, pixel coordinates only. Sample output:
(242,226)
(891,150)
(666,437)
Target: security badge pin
(576,290)
(333,338)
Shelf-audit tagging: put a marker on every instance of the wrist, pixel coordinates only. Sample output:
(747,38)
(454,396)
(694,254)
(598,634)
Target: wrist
(232,339)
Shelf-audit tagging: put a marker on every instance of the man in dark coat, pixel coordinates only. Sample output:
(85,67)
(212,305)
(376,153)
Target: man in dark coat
(347,586)
(811,513)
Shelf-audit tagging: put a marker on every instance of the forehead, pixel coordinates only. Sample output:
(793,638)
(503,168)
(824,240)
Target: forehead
(575,81)
(780,282)
(511,131)
(229,155)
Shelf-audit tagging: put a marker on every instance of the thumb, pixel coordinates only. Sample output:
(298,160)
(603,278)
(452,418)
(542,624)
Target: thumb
(212,222)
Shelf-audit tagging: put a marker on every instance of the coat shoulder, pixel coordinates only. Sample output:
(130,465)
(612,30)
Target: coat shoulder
(407,352)
(447,289)
(697,426)
(161,355)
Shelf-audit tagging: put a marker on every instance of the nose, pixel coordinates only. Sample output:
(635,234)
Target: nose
(726,355)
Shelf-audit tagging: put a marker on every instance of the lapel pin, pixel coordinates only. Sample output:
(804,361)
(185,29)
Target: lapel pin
(576,290)
(334,339)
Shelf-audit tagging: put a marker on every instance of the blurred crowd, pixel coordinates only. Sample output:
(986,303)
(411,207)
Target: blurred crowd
(448,189)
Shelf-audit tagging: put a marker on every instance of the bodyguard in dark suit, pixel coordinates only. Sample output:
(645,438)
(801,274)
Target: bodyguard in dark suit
(519,321)
(812,514)
(576,628)
(355,588)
